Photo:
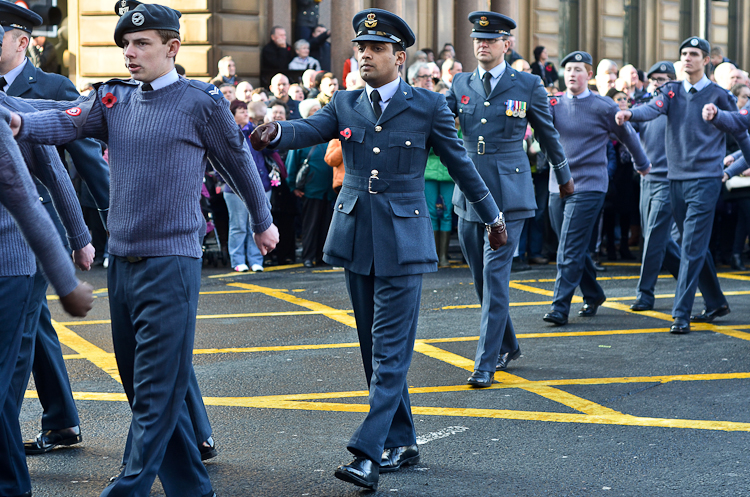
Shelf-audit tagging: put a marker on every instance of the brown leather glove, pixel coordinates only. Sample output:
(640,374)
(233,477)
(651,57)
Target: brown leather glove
(567,189)
(498,235)
(263,135)
(80,301)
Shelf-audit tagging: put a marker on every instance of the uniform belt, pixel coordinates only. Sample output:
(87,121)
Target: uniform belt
(373,184)
(481,147)
(131,259)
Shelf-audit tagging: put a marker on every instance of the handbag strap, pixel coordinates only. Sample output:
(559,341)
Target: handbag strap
(307,159)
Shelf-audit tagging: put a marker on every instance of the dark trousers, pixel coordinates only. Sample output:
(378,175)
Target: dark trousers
(743,225)
(153,305)
(490,271)
(386,310)
(661,250)
(18,313)
(316,218)
(693,206)
(573,219)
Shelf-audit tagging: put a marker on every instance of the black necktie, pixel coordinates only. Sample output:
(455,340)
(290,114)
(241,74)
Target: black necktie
(2,83)
(147,87)
(693,90)
(375,96)
(487,85)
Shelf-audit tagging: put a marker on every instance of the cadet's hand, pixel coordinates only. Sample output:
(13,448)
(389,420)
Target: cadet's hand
(644,173)
(263,135)
(299,193)
(709,112)
(725,178)
(728,160)
(80,301)
(83,258)
(15,123)
(622,117)
(498,236)
(267,240)
(567,189)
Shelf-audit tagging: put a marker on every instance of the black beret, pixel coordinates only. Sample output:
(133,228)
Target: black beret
(663,67)
(124,6)
(578,56)
(696,42)
(2,32)
(381,25)
(143,17)
(490,24)
(14,16)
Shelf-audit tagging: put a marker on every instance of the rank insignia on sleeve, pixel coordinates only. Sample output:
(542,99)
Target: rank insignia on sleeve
(659,104)
(743,112)
(109,100)
(465,99)
(347,133)
(214,92)
(75,111)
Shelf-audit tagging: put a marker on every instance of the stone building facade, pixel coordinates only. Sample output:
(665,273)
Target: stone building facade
(636,31)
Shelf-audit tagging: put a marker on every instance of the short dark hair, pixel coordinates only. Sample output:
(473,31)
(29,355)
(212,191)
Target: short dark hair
(736,88)
(275,101)
(236,104)
(167,34)
(538,52)
(275,28)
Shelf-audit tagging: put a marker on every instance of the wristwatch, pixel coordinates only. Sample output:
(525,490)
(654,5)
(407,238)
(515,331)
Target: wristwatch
(499,223)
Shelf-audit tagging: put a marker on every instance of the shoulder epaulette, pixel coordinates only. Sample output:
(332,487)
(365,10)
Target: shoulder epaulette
(207,88)
(116,81)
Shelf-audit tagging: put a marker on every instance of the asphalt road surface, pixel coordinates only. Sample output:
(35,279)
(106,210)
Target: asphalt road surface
(610,405)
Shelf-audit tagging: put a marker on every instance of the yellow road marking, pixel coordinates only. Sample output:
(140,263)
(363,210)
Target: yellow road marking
(73,356)
(733,276)
(329,312)
(99,357)
(278,348)
(267,269)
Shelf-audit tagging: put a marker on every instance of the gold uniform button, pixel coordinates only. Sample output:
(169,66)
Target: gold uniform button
(486,104)
(481,138)
(416,212)
(484,121)
(376,150)
(518,170)
(378,129)
(374,172)
(408,143)
(461,111)
(341,206)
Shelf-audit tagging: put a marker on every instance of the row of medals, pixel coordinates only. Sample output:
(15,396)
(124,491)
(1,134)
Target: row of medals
(515,108)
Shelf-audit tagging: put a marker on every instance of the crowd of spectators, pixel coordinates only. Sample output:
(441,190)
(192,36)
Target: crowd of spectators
(296,81)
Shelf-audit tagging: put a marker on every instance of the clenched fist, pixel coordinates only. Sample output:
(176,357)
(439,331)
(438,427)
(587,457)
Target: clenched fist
(263,135)
(498,236)
(80,301)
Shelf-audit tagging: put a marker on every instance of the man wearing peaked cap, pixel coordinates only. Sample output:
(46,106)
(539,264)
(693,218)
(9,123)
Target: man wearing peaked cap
(494,105)
(695,150)
(381,231)
(19,78)
(153,320)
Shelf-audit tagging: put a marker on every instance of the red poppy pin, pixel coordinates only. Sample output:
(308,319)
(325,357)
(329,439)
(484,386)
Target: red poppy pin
(347,133)
(548,68)
(743,112)
(75,111)
(670,94)
(109,100)
(465,99)
(659,104)
(553,101)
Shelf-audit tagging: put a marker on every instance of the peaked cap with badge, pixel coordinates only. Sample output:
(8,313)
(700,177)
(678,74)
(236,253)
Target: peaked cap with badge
(695,42)
(136,16)
(14,16)
(578,56)
(490,24)
(381,25)
(662,67)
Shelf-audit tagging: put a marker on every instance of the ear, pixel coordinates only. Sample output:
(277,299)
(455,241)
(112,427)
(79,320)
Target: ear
(23,43)
(400,58)
(174,47)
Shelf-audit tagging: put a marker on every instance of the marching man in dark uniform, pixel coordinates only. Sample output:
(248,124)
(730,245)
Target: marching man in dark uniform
(381,231)
(494,104)
(19,78)
(162,128)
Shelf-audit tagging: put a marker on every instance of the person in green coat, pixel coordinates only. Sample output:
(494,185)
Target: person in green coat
(438,190)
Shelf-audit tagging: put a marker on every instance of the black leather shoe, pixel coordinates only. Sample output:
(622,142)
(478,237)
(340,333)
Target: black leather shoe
(680,327)
(556,317)
(208,449)
(396,457)
(519,265)
(708,316)
(589,310)
(504,359)
(480,379)
(640,306)
(737,263)
(361,471)
(45,441)
(308,264)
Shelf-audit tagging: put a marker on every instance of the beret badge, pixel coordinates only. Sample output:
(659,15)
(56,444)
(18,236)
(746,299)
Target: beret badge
(483,21)
(138,19)
(371,21)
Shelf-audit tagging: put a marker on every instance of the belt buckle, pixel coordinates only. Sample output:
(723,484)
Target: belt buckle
(373,175)
(132,259)
(480,147)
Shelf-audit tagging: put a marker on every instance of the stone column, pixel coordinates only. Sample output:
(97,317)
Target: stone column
(342,13)
(395,6)
(464,45)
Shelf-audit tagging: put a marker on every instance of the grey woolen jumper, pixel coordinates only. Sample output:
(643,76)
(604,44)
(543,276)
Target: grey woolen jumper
(695,148)
(584,125)
(159,144)
(654,142)
(19,197)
